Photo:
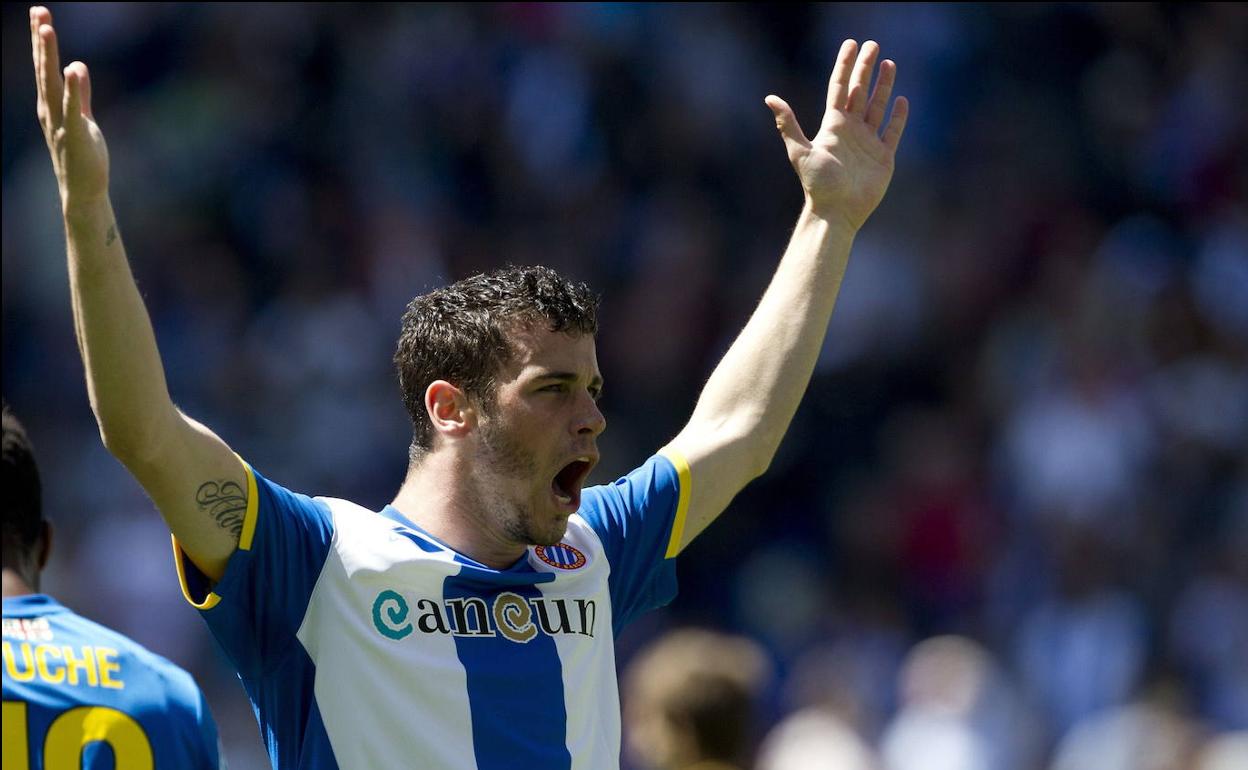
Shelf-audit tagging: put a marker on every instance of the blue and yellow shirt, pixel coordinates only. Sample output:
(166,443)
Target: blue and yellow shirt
(78,695)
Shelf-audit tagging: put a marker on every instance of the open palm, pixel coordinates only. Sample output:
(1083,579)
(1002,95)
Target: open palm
(79,154)
(846,166)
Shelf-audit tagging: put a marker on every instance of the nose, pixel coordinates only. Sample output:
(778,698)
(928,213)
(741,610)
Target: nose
(591,422)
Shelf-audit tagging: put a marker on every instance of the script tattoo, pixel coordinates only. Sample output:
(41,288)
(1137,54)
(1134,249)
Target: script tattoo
(225,502)
(111,236)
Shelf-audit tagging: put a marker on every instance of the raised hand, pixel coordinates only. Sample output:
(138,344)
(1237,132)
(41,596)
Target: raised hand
(846,166)
(79,154)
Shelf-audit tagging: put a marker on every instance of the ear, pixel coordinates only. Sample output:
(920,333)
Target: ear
(449,409)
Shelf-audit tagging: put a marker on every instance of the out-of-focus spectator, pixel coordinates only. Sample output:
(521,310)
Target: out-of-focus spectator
(1209,628)
(1139,736)
(958,712)
(1228,751)
(852,676)
(1083,649)
(690,701)
(813,739)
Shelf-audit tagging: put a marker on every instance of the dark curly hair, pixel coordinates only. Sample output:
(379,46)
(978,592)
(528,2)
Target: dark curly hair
(459,333)
(23,497)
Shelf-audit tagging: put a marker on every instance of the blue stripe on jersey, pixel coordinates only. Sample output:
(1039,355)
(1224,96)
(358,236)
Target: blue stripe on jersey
(522,574)
(513,725)
(420,542)
(285,690)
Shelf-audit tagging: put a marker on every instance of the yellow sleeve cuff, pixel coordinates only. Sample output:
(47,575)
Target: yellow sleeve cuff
(245,539)
(679,462)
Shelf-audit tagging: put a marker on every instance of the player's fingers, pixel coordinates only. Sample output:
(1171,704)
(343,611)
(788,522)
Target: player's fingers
(896,123)
(53,86)
(883,90)
(73,98)
(84,86)
(35,55)
(838,83)
(787,123)
(38,17)
(75,95)
(860,81)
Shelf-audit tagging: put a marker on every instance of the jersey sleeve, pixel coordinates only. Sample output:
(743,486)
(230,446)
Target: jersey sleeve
(259,603)
(639,520)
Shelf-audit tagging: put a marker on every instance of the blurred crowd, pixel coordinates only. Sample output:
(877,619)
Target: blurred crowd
(1008,529)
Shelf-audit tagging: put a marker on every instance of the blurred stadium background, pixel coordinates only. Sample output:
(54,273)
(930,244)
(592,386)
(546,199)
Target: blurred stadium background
(1029,427)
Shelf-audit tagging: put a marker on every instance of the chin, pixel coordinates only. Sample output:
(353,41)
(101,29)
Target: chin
(533,533)
(550,539)
(551,536)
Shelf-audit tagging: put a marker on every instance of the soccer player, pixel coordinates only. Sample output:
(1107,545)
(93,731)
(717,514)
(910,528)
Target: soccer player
(470,623)
(76,694)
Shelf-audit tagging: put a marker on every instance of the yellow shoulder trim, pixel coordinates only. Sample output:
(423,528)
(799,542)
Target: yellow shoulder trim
(682,506)
(253,506)
(179,557)
(244,541)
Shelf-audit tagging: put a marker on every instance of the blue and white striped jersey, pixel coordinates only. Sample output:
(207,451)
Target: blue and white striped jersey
(365,642)
(79,696)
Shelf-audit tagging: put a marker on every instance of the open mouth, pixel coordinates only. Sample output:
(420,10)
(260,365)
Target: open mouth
(568,482)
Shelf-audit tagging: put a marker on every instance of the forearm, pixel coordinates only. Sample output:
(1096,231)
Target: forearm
(751,397)
(125,377)
(183,465)
(191,474)
(755,390)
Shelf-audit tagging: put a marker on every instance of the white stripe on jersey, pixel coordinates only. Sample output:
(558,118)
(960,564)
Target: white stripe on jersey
(411,696)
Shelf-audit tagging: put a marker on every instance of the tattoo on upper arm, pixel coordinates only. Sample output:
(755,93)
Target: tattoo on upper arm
(111,235)
(226,502)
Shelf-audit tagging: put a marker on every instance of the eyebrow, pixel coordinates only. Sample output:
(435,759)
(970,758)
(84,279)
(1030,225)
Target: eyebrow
(596,382)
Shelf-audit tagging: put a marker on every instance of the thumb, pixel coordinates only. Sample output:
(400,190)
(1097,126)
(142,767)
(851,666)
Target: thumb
(786,122)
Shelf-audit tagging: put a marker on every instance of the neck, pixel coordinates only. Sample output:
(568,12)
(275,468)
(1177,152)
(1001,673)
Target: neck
(15,585)
(439,494)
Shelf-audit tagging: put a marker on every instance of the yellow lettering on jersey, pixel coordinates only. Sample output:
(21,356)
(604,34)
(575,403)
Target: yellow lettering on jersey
(46,673)
(85,663)
(58,664)
(16,756)
(76,728)
(108,665)
(10,662)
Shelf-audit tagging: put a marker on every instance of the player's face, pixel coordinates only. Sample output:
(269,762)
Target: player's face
(539,441)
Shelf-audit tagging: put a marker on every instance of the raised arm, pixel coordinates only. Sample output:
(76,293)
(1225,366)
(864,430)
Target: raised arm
(195,480)
(750,398)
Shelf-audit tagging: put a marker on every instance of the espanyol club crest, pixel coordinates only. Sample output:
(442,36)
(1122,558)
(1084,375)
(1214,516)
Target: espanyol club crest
(562,556)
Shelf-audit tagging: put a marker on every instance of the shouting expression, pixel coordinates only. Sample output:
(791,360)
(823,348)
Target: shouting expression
(538,439)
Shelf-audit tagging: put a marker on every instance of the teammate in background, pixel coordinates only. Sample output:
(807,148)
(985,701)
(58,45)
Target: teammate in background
(690,698)
(471,622)
(76,694)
